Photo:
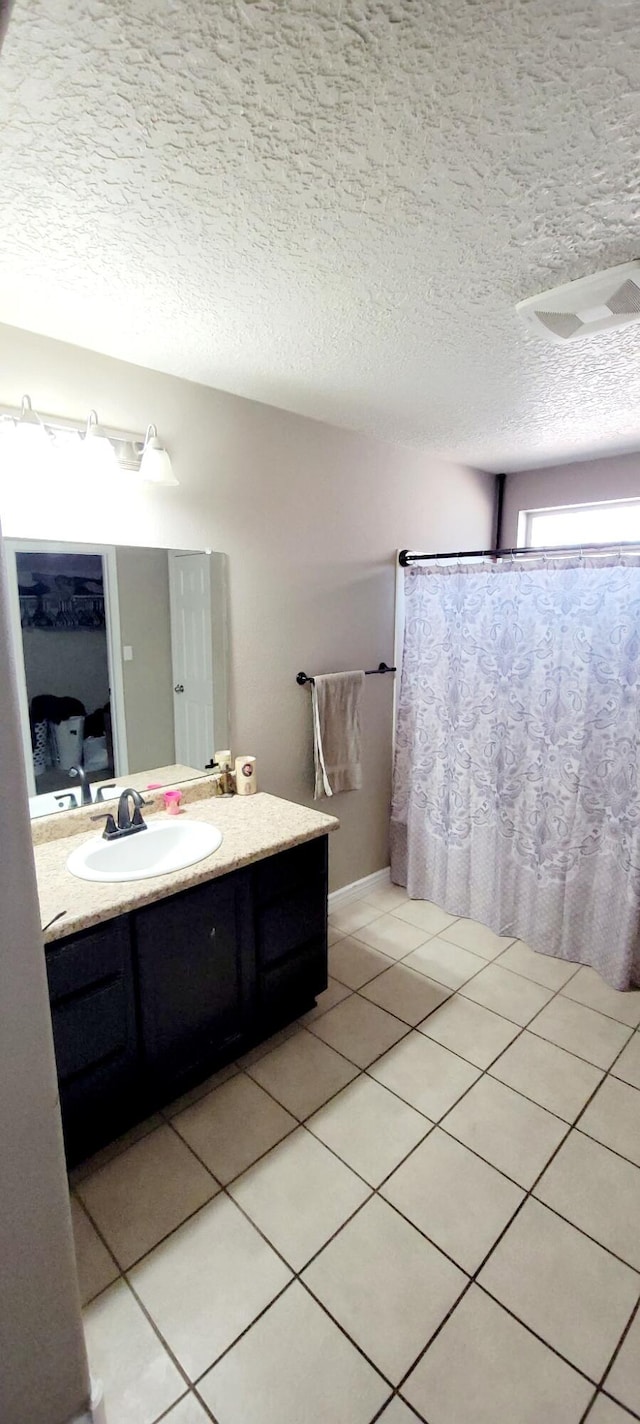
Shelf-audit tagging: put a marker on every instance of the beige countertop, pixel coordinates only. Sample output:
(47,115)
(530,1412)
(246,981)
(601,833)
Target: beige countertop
(252,827)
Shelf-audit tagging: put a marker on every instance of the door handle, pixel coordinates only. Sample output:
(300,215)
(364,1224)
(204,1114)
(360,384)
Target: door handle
(179,687)
(212,933)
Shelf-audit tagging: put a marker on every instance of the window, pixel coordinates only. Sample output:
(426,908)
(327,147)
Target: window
(581,524)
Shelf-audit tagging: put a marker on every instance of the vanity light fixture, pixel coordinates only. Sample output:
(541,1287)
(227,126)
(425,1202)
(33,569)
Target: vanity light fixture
(155,465)
(97,451)
(34,445)
(28,441)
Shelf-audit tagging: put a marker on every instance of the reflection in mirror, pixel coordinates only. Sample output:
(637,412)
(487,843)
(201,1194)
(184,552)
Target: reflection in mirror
(122,665)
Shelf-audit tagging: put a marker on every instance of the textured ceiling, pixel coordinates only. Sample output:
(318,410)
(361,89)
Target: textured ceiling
(333,205)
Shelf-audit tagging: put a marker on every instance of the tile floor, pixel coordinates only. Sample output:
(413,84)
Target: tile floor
(421,1202)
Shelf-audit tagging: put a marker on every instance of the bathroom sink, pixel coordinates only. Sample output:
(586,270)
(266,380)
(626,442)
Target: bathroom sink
(164,846)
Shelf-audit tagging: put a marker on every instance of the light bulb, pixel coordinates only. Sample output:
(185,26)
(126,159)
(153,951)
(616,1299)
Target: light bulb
(27,451)
(155,465)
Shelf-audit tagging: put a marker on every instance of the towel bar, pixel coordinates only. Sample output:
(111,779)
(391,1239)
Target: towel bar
(369,672)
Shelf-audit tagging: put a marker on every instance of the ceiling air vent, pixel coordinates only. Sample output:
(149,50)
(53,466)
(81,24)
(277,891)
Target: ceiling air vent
(603,302)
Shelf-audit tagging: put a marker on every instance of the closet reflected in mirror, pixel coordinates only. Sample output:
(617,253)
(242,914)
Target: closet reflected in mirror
(121,655)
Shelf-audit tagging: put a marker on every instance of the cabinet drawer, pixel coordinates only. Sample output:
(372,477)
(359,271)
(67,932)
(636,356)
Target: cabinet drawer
(88,958)
(90,1027)
(291,921)
(281,873)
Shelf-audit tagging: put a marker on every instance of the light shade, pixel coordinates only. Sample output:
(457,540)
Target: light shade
(97,453)
(27,449)
(155,465)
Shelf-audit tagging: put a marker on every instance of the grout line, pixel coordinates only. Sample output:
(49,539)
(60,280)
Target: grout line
(302,1122)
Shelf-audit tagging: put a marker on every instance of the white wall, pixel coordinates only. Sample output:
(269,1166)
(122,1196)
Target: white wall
(43,1371)
(582,482)
(310,517)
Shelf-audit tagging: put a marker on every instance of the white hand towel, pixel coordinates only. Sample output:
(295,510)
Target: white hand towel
(336,732)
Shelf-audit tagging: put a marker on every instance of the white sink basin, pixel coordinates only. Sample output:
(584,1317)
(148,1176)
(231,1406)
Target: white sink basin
(164,846)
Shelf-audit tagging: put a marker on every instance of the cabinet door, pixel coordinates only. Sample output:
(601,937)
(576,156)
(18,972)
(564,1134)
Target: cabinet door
(196,979)
(291,931)
(91,992)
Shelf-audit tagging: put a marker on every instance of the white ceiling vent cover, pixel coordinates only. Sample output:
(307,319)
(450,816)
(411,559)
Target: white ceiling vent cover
(600,303)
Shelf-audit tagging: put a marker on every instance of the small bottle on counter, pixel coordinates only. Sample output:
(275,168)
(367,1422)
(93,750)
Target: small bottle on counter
(246,779)
(227,778)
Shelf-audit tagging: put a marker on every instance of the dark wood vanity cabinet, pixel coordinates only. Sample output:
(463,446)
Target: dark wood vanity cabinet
(95,1033)
(148,1004)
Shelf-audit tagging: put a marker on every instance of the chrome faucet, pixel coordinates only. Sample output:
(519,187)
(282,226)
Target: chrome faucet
(127,825)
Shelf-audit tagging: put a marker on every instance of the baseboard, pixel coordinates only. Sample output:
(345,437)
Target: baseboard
(359,887)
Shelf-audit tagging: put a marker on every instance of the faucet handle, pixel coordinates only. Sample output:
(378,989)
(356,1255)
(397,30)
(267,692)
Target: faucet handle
(110,826)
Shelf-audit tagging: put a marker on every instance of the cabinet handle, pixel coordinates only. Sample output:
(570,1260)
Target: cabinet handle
(212,933)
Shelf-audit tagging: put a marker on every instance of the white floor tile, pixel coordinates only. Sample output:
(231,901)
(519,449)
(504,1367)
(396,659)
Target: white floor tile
(303,1073)
(574,1294)
(333,935)
(445,962)
(188,1411)
(200,1091)
(397,1412)
(146,1192)
(613,1117)
(408,995)
(96,1268)
(386,897)
(333,994)
(426,1075)
(294,1365)
(386,1285)
(581,1030)
(459,1201)
(232,1127)
(485,1368)
(466,1028)
(623,1380)
(606,1412)
(267,1045)
(470,934)
(588,988)
(543,969)
(425,916)
(299,1195)
(359,1030)
(353,963)
(351,917)
(597,1191)
(113,1149)
(369,1128)
(555,1079)
(627,1066)
(205,1284)
(511,1133)
(392,936)
(507,994)
(139,1377)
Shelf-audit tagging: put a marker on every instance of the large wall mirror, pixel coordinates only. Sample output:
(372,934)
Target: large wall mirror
(122,664)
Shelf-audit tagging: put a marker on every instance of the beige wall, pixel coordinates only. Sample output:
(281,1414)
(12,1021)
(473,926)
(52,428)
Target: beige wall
(43,1373)
(310,517)
(67,664)
(584,482)
(143,599)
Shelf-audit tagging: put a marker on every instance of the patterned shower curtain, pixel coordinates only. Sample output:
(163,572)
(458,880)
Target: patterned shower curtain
(516,783)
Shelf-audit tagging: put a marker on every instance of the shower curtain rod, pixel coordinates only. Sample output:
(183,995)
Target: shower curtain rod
(407,557)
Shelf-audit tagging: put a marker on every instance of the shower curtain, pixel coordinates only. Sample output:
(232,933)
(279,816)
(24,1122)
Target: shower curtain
(516,798)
